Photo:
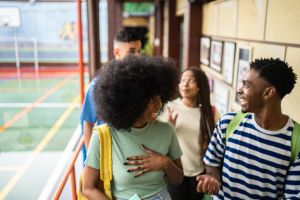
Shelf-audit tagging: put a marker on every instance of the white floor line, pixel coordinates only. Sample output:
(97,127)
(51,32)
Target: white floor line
(41,105)
(61,167)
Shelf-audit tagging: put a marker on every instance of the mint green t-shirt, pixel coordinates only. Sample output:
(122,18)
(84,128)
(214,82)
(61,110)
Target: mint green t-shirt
(159,136)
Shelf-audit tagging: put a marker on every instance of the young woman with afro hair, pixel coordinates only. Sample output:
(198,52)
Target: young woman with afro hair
(128,95)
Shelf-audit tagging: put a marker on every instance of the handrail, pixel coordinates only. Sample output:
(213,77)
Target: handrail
(70,171)
(71,168)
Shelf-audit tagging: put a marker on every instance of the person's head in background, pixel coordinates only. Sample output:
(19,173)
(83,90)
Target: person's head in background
(194,87)
(126,42)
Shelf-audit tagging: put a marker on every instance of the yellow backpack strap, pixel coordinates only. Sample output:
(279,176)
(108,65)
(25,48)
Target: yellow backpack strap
(234,123)
(295,142)
(105,158)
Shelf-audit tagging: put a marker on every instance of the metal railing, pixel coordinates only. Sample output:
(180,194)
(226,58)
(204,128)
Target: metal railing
(70,171)
(71,168)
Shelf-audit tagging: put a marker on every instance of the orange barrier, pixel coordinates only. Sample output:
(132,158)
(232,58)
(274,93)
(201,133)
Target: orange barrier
(70,171)
(71,168)
(80,50)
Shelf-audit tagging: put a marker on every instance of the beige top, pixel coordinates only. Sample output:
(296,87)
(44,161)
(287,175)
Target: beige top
(187,131)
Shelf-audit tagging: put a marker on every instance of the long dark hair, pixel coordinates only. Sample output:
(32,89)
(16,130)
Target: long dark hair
(207,113)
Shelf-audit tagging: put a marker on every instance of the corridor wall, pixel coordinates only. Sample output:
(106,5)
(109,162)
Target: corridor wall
(268,28)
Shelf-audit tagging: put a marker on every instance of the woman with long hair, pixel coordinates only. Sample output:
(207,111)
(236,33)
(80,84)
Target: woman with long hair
(194,119)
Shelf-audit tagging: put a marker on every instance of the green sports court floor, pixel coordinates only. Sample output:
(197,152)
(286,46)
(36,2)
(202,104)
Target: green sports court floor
(39,112)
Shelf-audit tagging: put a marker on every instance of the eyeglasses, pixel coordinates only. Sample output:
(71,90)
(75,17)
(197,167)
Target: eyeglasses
(188,81)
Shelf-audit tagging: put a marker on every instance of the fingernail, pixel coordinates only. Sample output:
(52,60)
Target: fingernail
(129,170)
(125,163)
(127,159)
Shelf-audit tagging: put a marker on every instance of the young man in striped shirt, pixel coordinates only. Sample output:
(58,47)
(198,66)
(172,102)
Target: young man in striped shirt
(255,161)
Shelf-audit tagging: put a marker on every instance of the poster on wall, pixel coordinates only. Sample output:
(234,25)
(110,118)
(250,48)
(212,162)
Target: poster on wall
(221,93)
(244,57)
(204,50)
(228,61)
(216,55)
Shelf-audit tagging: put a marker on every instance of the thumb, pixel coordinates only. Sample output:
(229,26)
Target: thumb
(169,110)
(175,116)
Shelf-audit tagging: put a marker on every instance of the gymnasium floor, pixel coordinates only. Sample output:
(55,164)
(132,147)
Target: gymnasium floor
(39,112)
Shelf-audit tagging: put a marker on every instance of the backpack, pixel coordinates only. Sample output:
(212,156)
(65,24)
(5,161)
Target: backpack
(295,146)
(105,162)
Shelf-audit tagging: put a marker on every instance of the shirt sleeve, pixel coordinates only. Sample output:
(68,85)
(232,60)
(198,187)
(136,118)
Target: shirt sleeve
(292,184)
(93,155)
(216,148)
(88,112)
(175,151)
(163,115)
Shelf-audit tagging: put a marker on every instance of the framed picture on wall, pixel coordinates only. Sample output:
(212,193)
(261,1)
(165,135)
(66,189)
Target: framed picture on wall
(216,55)
(204,50)
(243,65)
(221,92)
(228,61)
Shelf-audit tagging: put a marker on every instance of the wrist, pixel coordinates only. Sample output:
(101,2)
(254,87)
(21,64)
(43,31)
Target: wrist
(167,162)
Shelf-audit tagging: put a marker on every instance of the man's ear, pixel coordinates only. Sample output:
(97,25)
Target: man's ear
(116,52)
(269,92)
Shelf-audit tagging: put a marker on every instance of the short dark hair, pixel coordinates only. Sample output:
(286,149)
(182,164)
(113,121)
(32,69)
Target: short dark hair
(278,73)
(127,35)
(124,88)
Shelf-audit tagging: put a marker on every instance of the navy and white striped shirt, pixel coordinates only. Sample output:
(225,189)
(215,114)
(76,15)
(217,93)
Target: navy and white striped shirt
(256,162)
